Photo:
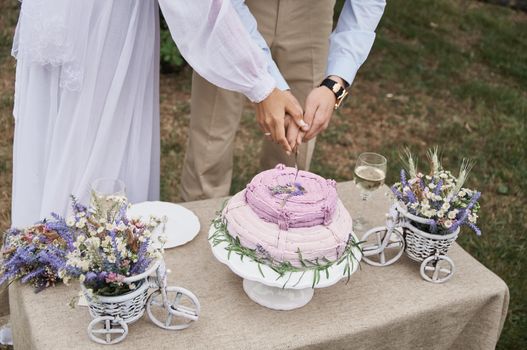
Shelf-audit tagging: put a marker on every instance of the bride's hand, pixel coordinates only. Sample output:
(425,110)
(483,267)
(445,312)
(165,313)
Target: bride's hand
(270,114)
(293,133)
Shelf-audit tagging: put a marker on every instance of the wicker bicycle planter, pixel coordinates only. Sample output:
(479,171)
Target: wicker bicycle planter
(420,244)
(128,307)
(400,235)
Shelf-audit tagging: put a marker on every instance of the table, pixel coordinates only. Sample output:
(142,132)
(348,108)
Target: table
(380,308)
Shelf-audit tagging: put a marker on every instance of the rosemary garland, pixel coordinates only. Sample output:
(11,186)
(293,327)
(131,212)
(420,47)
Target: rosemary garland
(282,268)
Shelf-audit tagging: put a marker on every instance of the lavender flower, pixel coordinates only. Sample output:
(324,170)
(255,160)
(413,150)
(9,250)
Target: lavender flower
(397,193)
(263,253)
(143,261)
(465,212)
(76,206)
(474,228)
(433,225)
(34,255)
(404,183)
(91,276)
(295,189)
(411,196)
(33,274)
(115,249)
(438,187)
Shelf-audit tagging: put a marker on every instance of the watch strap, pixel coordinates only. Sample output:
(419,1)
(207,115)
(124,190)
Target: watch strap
(339,91)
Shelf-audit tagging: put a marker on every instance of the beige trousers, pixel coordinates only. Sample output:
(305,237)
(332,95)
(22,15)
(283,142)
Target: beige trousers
(297,33)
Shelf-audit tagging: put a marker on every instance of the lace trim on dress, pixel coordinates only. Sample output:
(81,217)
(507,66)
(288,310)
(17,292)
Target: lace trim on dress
(46,34)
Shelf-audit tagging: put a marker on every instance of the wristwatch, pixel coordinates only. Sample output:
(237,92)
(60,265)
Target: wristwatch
(339,90)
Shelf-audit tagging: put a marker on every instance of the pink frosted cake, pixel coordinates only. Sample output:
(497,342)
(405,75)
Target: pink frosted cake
(280,217)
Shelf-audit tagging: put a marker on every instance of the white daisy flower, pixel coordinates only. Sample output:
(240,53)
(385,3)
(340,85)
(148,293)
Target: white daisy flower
(81,223)
(70,222)
(447,223)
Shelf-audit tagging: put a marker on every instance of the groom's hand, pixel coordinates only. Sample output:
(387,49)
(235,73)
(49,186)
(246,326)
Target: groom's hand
(320,104)
(270,114)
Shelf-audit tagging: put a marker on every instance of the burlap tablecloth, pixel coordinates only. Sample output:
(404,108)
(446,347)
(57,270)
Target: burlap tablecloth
(380,308)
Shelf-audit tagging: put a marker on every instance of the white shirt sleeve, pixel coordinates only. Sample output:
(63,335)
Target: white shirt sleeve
(351,41)
(214,41)
(250,24)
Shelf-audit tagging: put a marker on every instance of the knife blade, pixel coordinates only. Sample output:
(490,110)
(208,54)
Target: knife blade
(296,164)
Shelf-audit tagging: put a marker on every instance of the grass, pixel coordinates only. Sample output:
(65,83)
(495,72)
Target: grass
(445,72)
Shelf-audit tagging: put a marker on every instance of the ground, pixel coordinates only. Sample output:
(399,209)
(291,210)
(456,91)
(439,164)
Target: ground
(445,72)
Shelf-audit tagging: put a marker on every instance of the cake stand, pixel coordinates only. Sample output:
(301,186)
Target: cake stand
(264,286)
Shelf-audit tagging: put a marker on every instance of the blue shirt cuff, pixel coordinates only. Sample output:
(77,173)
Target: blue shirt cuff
(342,67)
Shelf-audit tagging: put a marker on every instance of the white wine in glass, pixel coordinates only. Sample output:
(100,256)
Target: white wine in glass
(369,175)
(369,178)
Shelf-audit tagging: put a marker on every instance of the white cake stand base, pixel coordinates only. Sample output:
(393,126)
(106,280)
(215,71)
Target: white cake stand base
(277,298)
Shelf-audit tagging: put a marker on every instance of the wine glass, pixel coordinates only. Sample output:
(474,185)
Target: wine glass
(107,197)
(369,175)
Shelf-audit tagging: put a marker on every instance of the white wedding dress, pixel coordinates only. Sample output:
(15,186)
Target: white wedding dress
(86,94)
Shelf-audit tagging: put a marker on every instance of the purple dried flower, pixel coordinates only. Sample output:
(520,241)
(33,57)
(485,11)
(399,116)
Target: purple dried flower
(121,215)
(397,193)
(462,219)
(76,206)
(411,196)
(295,189)
(115,250)
(262,252)
(474,228)
(433,225)
(403,178)
(438,187)
(90,276)
(33,274)
(143,261)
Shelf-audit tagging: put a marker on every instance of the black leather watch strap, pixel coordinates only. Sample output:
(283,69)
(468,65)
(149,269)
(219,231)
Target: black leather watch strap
(339,91)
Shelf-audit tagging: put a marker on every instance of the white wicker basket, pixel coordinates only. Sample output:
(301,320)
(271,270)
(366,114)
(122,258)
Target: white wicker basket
(420,244)
(128,307)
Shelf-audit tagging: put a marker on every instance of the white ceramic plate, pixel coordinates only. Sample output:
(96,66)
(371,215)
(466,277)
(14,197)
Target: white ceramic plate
(248,269)
(181,227)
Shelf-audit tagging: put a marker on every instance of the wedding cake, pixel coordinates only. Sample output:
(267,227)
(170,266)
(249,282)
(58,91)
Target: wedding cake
(290,220)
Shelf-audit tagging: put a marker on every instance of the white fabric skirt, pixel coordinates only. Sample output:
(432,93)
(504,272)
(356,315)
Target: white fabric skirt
(109,127)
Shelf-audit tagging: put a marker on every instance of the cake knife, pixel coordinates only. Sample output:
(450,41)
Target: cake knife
(296,175)
(296,164)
